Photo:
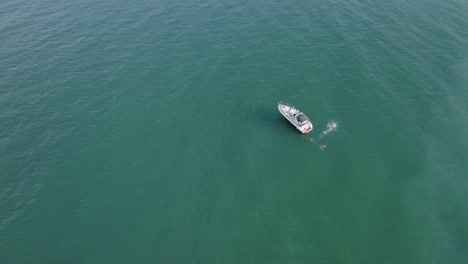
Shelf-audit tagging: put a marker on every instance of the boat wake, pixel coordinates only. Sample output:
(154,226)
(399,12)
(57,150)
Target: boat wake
(331,127)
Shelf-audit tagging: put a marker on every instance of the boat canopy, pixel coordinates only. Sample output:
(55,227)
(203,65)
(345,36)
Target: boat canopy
(302,118)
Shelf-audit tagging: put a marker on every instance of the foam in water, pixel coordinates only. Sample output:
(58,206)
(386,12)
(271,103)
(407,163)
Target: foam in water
(331,126)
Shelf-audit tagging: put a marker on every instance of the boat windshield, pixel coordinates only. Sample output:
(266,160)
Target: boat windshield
(302,118)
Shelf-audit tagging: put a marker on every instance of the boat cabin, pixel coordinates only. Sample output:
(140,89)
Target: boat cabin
(301,118)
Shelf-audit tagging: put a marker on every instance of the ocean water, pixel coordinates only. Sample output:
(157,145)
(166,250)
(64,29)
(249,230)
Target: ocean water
(148,131)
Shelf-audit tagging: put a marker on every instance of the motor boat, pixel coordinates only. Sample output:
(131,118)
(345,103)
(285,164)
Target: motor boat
(295,117)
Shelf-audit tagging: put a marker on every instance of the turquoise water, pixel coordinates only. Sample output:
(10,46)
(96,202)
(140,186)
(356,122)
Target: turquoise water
(143,132)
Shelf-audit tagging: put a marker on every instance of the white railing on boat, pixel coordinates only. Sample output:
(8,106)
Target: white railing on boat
(290,105)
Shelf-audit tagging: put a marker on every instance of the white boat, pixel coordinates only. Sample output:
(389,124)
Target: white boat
(295,117)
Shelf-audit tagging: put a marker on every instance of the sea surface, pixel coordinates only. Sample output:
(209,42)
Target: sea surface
(148,131)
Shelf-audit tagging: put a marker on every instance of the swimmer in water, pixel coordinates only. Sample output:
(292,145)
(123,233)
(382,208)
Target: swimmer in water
(323,146)
(311,140)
